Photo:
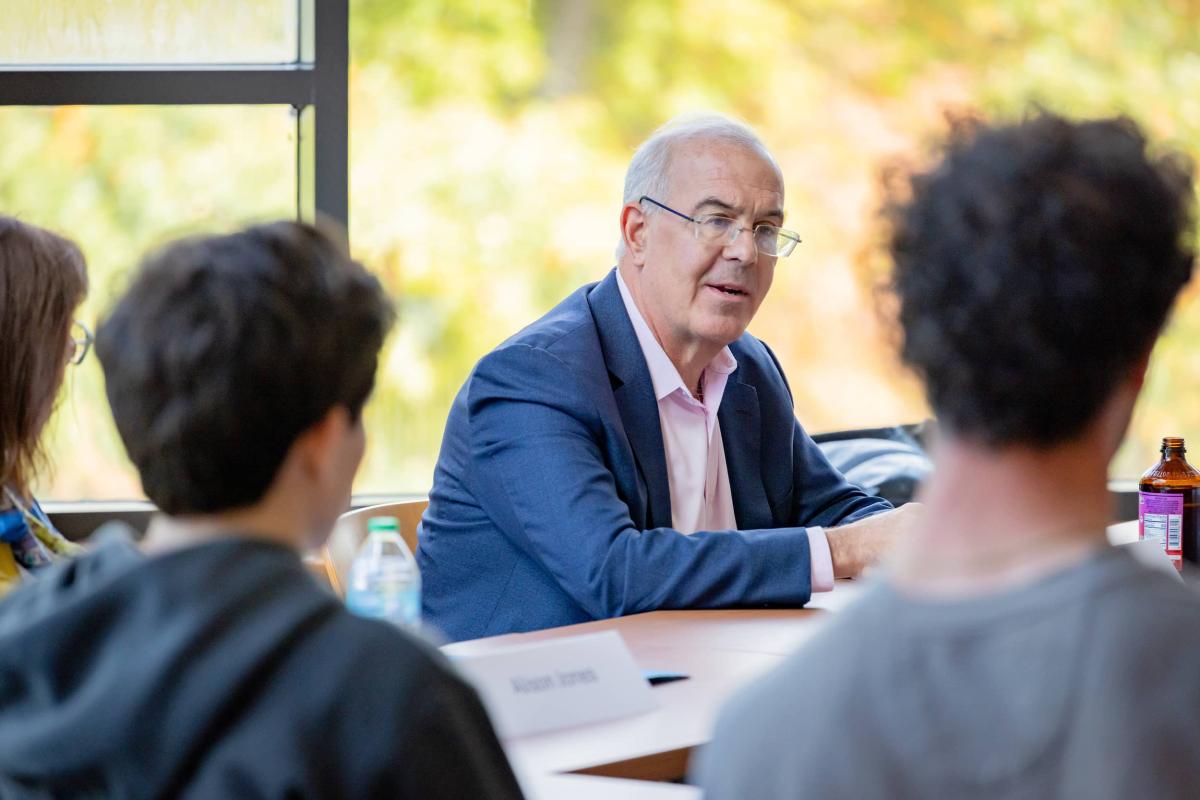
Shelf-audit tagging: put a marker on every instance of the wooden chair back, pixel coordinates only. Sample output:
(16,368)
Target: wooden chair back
(331,564)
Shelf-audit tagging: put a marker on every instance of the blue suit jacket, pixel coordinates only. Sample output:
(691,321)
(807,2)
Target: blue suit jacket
(550,503)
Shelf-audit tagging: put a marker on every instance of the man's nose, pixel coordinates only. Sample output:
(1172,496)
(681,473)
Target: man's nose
(742,248)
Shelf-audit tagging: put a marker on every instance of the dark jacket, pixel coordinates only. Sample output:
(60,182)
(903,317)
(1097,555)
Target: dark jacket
(223,670)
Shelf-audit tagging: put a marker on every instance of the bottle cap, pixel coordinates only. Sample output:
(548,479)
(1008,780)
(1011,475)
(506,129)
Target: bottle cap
(383,524)
(1173,443)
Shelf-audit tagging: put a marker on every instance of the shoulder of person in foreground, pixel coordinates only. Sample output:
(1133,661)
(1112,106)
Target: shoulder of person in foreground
(111,551)
(1146,613)
(413,726)
(771,730)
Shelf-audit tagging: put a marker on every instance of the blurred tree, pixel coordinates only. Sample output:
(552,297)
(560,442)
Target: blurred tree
(488,145)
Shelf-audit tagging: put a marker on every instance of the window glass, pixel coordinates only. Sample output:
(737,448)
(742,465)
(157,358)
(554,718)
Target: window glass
(489,142)
(147,31)
(120,180)
(488,146)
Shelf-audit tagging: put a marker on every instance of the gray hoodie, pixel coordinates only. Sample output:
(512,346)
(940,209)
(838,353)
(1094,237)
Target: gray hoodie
(1085,684)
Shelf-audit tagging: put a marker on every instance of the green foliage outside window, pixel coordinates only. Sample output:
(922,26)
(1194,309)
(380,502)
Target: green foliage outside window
(488,145)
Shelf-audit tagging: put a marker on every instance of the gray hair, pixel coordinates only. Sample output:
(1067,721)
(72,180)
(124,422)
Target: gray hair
(649,170)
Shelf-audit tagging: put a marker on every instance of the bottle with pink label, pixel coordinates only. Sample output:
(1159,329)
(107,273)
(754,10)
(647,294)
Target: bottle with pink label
(1169,504)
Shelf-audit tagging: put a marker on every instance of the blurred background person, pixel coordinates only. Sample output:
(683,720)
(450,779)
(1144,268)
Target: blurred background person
(43,279)
(1009,651)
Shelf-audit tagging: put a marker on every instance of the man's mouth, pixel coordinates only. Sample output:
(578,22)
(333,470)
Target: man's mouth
(725,288)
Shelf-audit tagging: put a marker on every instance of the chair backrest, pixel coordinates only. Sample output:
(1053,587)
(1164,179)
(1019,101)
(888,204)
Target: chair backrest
(351,529)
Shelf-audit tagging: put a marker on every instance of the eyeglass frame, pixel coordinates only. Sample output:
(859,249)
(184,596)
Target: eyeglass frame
(80,347)
(791,236)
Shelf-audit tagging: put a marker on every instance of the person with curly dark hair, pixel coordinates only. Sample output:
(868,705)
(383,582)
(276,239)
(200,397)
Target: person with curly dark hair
(1008,651)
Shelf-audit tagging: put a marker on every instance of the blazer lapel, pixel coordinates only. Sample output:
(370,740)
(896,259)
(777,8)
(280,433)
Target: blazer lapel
(741,430)
(634,394)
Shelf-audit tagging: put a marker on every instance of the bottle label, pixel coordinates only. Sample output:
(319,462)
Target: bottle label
(398,604)
(1160,518)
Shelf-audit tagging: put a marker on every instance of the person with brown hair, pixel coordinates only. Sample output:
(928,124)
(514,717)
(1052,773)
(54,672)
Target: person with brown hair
(43,279)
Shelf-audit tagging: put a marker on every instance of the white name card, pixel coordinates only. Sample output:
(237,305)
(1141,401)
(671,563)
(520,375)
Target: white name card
(560,683)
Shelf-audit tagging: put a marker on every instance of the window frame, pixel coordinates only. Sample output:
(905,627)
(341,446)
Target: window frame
(315,85)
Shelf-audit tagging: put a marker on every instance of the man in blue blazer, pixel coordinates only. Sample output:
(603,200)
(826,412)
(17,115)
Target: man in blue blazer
(635,449)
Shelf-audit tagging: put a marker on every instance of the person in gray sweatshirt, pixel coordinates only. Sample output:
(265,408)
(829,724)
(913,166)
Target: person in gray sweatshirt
(1006,650)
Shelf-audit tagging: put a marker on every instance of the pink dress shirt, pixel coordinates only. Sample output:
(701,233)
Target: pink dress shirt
(696,470)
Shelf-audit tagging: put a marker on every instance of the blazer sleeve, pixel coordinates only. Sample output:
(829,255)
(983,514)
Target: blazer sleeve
(537,463)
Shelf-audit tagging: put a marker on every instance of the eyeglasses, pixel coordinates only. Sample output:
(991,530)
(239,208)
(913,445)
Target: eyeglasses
(80,342)
(717,229)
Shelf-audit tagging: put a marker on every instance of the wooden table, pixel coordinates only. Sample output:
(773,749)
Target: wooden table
(721,651)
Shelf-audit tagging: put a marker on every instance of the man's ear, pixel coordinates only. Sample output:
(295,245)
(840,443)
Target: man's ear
(633,232)
(1140,367)
(1117,411)
(316,449)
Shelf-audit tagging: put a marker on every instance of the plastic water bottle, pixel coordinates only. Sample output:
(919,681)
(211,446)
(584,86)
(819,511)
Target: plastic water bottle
(384,580)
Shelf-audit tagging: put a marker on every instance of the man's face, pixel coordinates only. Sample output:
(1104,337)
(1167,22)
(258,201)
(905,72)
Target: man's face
(701,293)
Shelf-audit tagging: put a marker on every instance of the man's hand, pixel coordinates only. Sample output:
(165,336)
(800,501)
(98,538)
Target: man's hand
(856,546)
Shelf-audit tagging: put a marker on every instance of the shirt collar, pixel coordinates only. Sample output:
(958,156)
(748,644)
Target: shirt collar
(663,375)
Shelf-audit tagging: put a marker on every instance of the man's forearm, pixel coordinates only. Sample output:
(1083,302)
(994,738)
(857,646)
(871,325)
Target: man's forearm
(855,546)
